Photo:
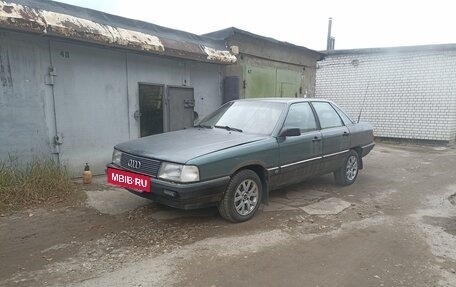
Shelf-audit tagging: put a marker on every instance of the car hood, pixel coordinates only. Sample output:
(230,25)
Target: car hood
(181,146)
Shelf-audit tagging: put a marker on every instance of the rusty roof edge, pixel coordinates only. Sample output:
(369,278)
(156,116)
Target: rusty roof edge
(29,19)
(219,56)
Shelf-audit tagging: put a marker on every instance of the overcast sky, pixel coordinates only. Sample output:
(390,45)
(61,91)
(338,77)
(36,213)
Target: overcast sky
(356,23)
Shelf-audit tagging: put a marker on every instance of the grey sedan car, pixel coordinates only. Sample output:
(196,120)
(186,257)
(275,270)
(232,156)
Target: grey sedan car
(235,156)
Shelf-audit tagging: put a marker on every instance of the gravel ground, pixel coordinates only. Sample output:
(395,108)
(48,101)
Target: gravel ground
(396,226)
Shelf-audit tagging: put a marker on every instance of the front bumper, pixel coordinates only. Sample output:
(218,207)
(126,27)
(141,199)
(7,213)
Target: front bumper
(184,195)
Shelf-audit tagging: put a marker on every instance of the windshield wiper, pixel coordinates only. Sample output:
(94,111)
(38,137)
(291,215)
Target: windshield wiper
(228,128)
(204,126)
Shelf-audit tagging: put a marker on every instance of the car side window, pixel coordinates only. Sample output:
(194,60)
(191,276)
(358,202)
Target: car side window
(300,116)
(327,115)
(345,118)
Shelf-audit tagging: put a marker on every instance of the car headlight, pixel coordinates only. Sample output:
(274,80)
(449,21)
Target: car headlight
(178,172)
(116,155)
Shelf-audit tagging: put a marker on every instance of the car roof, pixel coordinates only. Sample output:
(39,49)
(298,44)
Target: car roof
(285,100)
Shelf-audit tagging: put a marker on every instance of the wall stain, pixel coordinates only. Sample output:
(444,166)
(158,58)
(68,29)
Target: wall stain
(5,68)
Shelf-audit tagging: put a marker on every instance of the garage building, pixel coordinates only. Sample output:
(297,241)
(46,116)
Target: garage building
(267,67)
(74,81)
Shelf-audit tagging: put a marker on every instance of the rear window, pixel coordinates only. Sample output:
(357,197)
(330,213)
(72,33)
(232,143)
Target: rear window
(327,115)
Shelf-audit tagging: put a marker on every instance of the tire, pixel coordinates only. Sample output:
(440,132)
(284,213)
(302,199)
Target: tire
(348,172)
(242,197)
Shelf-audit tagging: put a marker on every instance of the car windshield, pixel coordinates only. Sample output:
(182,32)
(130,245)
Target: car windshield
(252,117)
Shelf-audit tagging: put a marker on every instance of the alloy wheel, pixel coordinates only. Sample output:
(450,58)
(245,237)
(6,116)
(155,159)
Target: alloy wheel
(352,167)
(246,197)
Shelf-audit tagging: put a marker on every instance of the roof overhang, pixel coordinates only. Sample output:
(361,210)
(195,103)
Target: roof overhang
(23,18)
(229,33)
(391,50)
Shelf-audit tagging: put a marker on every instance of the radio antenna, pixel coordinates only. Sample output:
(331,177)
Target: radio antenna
(364,100)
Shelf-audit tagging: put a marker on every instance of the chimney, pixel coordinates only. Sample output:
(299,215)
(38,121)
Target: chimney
(330,41)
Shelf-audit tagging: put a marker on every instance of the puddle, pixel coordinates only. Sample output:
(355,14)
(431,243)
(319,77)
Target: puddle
(448,224)
(440,148)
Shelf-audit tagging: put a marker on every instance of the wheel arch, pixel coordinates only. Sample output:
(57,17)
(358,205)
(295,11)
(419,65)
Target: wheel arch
(359,151)
(262,173)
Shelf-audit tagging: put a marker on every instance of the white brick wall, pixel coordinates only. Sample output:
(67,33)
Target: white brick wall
(411,94)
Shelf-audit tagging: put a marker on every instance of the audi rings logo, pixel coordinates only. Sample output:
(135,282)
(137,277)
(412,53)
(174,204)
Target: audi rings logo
(136,164)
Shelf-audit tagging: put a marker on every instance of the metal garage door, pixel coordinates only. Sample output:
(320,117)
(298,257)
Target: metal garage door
(263,82)
(260,82)
(91,104)
(181,103)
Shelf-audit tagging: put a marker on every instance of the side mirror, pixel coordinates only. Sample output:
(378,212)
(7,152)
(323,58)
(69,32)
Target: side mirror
(293,132)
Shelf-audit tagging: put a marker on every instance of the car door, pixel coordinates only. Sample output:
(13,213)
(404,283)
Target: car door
(300,156)
(335,137)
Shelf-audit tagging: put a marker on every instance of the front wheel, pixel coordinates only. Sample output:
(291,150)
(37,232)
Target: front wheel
(347,174)
(242,197)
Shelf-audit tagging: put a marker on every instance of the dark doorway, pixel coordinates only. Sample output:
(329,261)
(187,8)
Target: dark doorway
(151,109)
(181,108)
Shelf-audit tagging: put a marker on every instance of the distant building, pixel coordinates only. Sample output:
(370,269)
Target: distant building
(408,92)
(74,82)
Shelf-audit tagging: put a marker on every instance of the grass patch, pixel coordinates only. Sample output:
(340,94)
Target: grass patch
(40,182)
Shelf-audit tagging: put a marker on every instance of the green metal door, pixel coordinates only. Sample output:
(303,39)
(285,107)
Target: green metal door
(287,90)
(265,82)
(260,82)
(288,83)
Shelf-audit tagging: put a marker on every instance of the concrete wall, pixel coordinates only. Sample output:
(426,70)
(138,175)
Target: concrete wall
(410,92)
(94,93)
(263,54)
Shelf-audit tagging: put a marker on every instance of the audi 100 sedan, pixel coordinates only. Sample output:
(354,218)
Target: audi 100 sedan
(235,156)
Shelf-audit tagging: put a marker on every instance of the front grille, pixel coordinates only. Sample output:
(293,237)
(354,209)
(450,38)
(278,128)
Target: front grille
(148,166)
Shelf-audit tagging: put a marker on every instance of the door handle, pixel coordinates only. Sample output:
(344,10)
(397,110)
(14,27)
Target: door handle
(316,139)
(345,134)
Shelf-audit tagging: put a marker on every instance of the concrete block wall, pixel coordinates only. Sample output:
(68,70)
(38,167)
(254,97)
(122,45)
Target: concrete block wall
(410,92)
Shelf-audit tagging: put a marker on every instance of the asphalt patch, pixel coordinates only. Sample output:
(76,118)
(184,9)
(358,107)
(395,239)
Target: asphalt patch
(330,206)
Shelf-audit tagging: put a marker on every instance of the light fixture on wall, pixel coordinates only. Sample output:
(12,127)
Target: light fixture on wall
(355,62)
(234,50)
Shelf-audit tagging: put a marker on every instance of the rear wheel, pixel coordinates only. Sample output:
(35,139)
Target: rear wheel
(347,174)
(242,197)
